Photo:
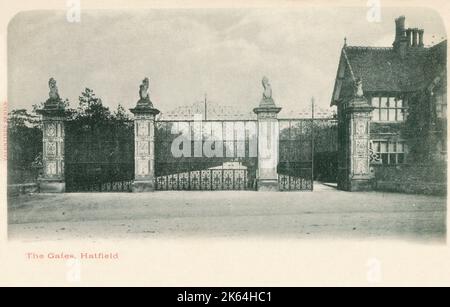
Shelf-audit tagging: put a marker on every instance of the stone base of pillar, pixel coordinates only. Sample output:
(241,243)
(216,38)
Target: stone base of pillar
(356,185)
(270,185)
(51,186)
(143,186)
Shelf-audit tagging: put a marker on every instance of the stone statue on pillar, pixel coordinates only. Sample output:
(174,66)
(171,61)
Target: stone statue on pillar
(144,90)
(267,88)
(267,100)
(53,94)
(54,101)
(359,93)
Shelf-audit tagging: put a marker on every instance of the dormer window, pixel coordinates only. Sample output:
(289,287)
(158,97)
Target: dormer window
(388,109)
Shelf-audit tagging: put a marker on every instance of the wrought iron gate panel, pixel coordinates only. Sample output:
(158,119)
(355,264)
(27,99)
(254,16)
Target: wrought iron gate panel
(325,149)
(206,183)
(194,180)
(217,179)
(235,171)
(99,155)
(295,166)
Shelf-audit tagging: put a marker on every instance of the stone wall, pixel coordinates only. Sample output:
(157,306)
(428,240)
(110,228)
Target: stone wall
(411,178)
(25,188)
(21,175)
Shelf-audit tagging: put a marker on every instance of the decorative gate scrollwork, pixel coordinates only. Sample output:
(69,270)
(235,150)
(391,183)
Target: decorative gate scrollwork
(210,179)
(295,167)
(191,172)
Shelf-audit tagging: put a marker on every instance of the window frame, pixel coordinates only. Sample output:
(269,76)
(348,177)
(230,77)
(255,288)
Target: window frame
(381,111)
(377,150)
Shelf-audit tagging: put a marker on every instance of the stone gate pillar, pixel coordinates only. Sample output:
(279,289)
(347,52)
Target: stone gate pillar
(52,180)
(268,135)
(357,116)
(144,141)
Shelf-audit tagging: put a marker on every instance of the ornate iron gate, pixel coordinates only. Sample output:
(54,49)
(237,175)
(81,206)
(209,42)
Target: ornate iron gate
(325,150)
(99,155)
(183,161)
(307,152)
(295,166)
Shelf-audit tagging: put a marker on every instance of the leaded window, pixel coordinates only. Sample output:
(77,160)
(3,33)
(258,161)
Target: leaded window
(441,105)
(389,152)
(388,109)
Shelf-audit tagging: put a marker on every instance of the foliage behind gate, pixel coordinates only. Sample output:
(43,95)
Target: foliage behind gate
(99,148)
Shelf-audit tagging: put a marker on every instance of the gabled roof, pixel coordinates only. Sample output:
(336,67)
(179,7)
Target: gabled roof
(384,70)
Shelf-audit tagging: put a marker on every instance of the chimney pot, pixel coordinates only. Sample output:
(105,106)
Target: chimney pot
(414,38)
(409,36)
(421,31)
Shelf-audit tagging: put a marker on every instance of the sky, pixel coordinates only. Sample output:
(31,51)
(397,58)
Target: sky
(187,53)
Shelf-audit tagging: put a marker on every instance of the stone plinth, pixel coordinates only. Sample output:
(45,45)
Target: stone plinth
(268,134)
(53,180)
(144,147)
(357,122)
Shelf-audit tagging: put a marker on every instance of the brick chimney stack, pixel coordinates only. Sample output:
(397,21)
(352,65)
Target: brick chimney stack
(405,39)
(401,42)
(399,31)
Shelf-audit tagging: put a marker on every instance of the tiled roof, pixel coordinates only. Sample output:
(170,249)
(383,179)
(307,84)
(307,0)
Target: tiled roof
(384,70)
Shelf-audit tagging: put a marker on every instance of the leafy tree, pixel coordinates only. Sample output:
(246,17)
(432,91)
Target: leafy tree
(24,145)
(90,106)
(94,134)
(121,113)
(21,118)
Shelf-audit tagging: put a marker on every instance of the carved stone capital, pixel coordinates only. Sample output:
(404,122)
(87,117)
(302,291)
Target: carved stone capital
(358,104)
(144,111)
(267,112)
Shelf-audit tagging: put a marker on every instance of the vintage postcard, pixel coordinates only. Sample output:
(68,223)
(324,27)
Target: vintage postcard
(271,143)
